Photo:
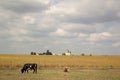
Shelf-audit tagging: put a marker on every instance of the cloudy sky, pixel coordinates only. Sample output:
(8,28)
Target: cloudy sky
(82,26)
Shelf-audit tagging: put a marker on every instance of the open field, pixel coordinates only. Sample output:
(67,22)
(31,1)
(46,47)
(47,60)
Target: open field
(58,74)
(51,67)
(17,61)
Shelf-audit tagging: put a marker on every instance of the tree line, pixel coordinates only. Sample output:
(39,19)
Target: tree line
(44,53)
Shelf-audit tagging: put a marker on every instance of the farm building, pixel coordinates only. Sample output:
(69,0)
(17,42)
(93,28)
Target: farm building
(68,52)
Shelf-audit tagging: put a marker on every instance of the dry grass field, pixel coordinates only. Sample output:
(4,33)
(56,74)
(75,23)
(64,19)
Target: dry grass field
(51,67)
(14,61)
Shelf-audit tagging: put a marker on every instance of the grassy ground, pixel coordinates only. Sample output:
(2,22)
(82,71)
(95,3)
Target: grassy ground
(58,74)
(51,67)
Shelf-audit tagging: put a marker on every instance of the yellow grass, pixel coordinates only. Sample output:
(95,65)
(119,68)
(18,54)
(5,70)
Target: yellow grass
(13,61)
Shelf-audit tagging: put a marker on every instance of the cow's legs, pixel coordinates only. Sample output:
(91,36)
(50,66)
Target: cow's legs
(34,70)
(27,70)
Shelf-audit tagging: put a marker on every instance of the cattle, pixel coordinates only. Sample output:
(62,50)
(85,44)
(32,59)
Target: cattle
(29,66)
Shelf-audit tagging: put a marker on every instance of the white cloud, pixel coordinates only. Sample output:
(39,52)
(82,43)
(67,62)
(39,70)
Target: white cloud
(22,39)
(93,37)
(84,28)
(117,44)
(29,20)
(82,36)
(60,32)
(18,31)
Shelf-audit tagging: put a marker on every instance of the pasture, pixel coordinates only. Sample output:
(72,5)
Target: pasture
(51,67)
(58,74)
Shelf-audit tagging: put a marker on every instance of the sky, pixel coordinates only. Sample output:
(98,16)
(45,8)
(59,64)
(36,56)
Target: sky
(82,26)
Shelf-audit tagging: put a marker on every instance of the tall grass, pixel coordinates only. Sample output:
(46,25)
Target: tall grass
(14,61)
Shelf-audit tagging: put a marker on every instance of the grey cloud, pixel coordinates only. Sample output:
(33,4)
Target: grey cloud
(91,20)
(22,6)
(87,12)
(82,28)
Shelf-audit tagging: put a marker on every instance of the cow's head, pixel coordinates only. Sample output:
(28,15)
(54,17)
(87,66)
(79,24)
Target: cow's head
(22,70)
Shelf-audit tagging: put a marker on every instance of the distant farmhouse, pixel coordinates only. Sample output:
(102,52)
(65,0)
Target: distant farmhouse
(67,53)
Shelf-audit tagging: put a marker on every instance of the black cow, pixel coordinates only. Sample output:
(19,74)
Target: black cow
(29,66)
